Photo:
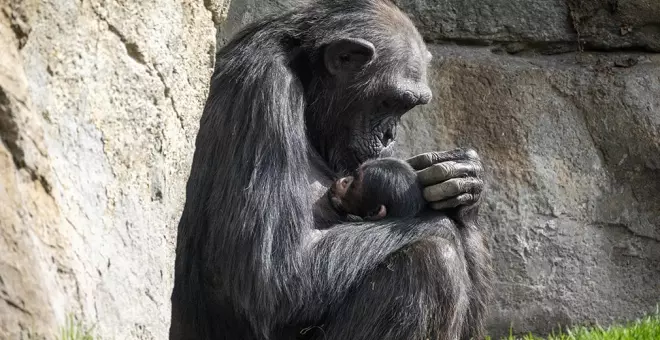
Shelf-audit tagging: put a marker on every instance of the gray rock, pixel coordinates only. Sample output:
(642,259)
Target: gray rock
(614,24)
(546,25)
(27,208)
(99,107)
(491,20)
(572,145)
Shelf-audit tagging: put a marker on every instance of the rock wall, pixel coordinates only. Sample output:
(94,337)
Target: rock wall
(99,106)
(548,25)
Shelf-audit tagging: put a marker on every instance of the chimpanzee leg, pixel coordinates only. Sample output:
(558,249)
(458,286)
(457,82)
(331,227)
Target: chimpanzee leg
(479,264)
(421,292)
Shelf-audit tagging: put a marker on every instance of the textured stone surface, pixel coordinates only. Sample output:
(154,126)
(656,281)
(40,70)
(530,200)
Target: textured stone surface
(616,24)
(549,25)
(572,145)
(27,208)
(491,20)
(99,107)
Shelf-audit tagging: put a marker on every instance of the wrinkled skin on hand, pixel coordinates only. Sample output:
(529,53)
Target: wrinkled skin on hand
(452,180)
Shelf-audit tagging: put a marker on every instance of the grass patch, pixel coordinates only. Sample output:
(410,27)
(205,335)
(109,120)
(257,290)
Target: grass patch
(75,330)
(646,328)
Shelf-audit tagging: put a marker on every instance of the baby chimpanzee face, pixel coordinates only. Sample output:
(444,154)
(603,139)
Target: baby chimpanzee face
(347,196)
(380,187)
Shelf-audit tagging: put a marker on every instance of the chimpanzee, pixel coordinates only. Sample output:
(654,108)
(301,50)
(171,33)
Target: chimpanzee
(379,188)
(294,99)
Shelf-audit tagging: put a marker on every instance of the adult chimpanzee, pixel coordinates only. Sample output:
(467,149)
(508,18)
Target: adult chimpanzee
(381,187)
(294,99)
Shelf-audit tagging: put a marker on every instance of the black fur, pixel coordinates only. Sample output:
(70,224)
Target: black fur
(250,261)
(393,183)
(387,182)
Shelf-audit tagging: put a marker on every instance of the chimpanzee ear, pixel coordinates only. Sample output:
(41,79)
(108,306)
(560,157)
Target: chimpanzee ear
(380,214)
(347,56)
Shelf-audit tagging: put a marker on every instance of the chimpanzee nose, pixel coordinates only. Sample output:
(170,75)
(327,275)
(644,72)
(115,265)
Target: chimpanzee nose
(421,96)
(408,99)
(425,95)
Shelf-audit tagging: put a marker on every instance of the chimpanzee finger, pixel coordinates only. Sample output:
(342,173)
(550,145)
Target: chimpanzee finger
(441,172)
(453,187)
(423,161)
(464,199)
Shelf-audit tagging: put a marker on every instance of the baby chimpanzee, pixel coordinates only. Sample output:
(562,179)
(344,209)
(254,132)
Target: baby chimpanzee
(381,187)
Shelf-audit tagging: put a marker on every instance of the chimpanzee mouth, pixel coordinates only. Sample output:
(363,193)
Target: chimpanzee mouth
(387,137)
(380,143)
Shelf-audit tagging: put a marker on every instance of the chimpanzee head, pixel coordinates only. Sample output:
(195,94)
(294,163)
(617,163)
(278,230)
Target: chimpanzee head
(366,67)
(380,187)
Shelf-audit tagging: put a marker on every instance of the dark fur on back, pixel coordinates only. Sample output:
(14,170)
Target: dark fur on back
(250,263)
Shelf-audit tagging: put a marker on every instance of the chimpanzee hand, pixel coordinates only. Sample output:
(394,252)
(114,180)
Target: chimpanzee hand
(451,179)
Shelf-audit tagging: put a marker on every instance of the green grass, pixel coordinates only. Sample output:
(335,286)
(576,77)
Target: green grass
(646,328)
(75,330)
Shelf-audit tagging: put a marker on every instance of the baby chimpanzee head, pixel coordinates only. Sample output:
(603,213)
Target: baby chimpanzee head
(381,187)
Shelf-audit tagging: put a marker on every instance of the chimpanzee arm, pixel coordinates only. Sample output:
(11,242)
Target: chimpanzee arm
(387,279)
(408,269)
(454,184)
(346,251)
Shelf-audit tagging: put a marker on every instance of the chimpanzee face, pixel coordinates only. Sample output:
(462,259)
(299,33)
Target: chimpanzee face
(361,85)
(346,194)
